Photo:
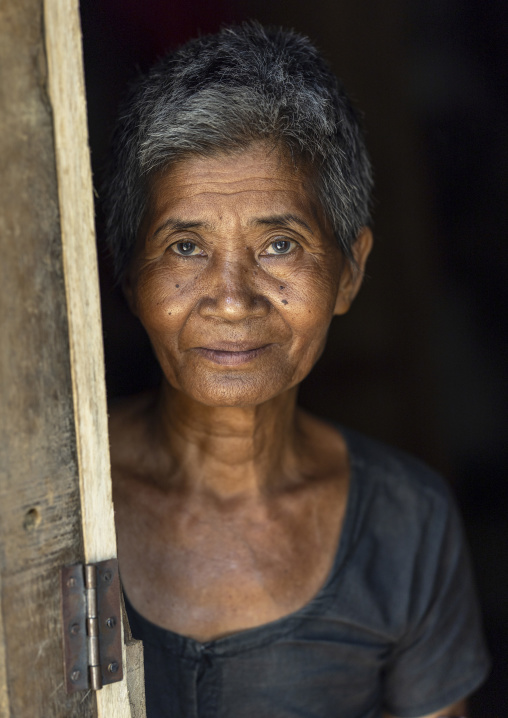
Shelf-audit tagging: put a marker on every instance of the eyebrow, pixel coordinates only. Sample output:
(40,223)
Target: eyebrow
(177,225)
(281,220)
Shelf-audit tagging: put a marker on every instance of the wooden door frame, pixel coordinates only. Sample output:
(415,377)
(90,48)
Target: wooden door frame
(55,492)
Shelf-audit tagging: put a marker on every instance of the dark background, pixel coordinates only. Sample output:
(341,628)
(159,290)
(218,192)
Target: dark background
(421,361)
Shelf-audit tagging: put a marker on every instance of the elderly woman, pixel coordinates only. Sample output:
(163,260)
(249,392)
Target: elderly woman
(274,565)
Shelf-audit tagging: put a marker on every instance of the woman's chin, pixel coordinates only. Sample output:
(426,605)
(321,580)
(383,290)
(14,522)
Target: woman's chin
(232,390)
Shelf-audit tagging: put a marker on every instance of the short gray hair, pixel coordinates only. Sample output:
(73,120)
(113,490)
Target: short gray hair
(220,93)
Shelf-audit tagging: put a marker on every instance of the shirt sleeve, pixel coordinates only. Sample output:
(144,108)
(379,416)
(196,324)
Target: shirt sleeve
(441,658)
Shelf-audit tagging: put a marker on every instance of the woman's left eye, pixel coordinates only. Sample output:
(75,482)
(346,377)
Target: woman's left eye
(280,246)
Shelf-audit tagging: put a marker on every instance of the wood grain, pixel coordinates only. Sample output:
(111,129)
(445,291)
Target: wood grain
(40,527)
(51,458)
(67,93)
(4,694)
(135,670)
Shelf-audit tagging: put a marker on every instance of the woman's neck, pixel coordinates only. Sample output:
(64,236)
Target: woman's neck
(228,451)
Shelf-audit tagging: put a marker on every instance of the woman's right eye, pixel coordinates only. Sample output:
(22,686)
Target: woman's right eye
(186,249)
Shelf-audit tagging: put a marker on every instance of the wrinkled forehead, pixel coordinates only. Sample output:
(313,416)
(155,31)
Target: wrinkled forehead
(258,178)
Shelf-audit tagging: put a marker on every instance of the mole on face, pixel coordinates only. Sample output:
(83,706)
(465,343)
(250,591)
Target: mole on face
(177,285)
(284,301)
(282,287)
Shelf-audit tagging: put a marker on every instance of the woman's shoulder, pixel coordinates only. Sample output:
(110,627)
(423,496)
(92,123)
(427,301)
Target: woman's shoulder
(405,515)
(394,476)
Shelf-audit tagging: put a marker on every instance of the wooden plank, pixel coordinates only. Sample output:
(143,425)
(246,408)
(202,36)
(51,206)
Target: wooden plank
(135,670)
(4,693)
(66,90)
(40,528)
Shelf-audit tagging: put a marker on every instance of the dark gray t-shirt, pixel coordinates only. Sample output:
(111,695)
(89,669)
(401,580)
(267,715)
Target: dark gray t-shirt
(396,626)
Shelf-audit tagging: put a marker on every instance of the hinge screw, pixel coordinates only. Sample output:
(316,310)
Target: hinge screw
(71,583)
(107,575)
(75,676)
(111,622)
(75,629)
(113,667)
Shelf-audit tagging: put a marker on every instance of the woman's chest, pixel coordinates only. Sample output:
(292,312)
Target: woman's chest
(206,573)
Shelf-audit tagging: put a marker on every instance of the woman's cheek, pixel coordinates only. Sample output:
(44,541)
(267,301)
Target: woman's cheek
(311,303)
(167,306)
(155,300)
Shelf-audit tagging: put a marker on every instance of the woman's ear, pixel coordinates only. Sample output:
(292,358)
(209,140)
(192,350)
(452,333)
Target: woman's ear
(352,275)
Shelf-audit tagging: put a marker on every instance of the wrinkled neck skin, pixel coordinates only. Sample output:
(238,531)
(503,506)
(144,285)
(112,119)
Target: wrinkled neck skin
(228,452)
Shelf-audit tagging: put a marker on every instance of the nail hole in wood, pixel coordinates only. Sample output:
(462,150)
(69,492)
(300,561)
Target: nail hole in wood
(32,519)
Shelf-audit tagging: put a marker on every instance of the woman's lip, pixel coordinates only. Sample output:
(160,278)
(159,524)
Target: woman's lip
(232,346)
(231,357)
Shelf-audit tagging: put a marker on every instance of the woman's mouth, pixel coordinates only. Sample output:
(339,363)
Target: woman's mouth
(231,357)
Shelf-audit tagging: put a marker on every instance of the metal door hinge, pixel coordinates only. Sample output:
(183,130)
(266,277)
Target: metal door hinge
(91,625)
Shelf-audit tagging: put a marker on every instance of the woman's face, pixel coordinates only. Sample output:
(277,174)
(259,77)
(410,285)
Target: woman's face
(236,277)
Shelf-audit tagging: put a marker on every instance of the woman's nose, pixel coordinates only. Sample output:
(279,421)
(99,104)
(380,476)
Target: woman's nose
(231,293)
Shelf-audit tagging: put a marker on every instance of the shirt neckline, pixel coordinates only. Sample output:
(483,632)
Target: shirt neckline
(266,633)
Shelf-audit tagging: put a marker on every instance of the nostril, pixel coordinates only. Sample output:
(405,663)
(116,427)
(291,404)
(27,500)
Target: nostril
(234,305)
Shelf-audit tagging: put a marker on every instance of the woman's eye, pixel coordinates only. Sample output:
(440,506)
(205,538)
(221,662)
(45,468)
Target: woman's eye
(185,249)
(280,246)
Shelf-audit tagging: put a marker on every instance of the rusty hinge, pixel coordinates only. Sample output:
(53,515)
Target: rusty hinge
(91,625)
